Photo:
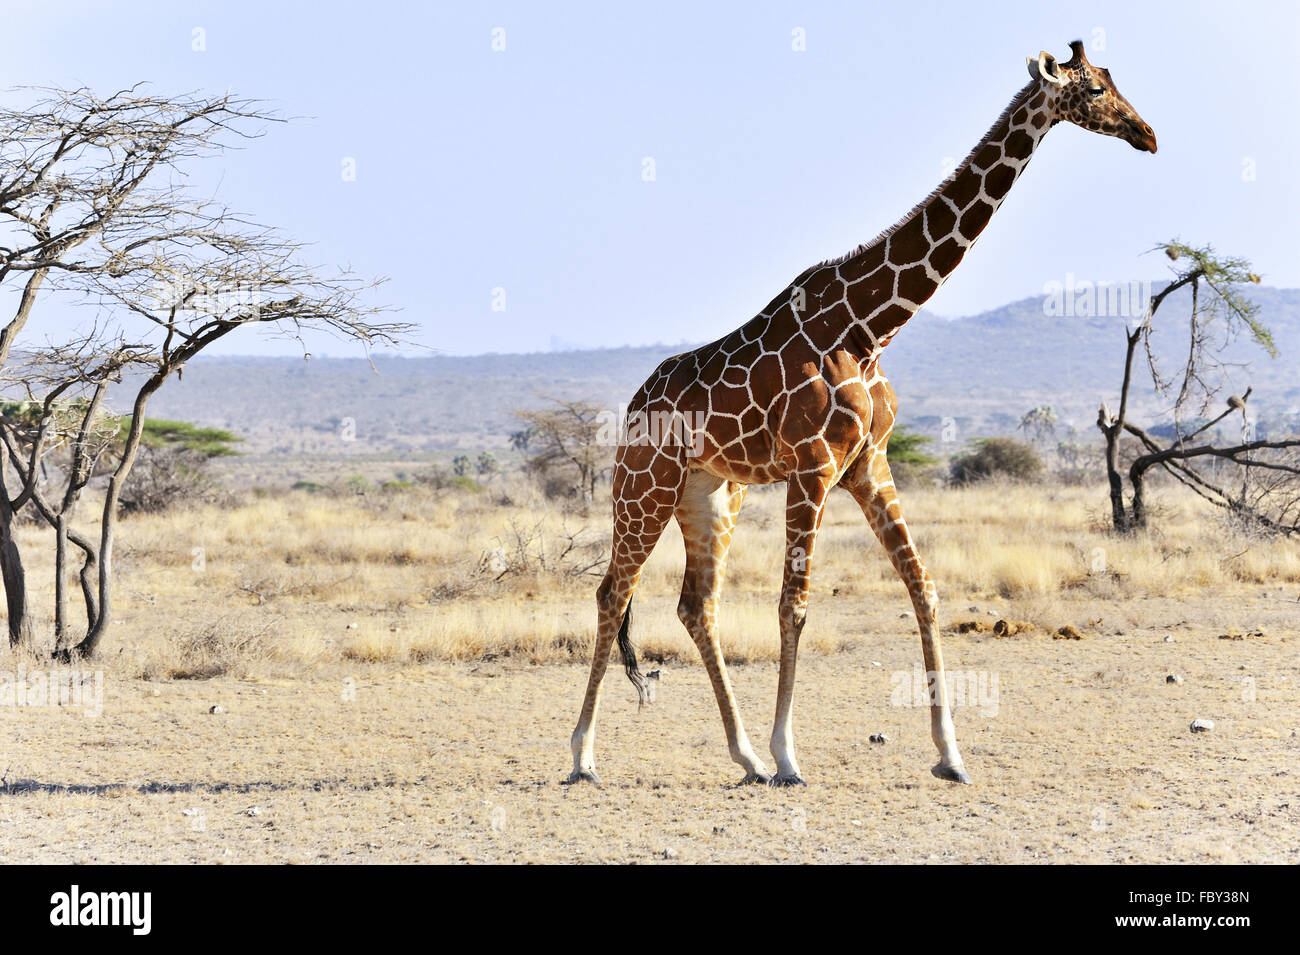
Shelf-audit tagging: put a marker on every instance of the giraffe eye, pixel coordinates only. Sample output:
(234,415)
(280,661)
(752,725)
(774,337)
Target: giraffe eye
(1095,90)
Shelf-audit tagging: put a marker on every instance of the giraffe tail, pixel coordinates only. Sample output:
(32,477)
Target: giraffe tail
(628,653)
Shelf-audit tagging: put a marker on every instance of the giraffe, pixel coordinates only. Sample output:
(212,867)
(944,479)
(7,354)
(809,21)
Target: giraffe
(797,394)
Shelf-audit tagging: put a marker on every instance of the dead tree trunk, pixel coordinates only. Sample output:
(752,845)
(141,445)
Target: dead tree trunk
(1112,429)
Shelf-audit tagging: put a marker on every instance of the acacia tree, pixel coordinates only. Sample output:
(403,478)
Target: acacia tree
(78,183)
(1039,423)
(172,464)
(72,435)
(90,210)
(564,444)
(1219,312)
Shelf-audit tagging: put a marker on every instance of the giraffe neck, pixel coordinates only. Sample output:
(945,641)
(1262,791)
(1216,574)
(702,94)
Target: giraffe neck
(889,279)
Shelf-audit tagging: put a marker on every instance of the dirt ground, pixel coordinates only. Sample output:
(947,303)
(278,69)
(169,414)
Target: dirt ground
(1080,751)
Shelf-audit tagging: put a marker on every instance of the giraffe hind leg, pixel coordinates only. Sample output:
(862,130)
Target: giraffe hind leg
(875,493)
(707,515)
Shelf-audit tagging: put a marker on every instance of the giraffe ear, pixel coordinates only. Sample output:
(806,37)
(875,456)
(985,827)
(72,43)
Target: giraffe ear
(1043,67)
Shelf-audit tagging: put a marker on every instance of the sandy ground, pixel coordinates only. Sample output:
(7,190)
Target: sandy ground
(1080,752)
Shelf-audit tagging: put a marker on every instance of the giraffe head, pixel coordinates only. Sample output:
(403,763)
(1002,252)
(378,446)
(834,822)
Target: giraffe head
(1083,94)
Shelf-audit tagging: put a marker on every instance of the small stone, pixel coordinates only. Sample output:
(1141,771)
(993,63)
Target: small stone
(352,626)
(253,811)
(1202,726)
(1173,678)
(905,614)
(1169,638)
(991,613)
(669,853)
(878,738)
(216,709)
(157,692)
(973,608)
(189,812)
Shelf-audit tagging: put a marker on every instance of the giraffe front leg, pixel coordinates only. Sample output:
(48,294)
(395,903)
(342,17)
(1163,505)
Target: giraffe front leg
(926,603)
(805,502)
(950,765)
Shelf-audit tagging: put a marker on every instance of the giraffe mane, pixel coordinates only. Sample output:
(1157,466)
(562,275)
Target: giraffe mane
(1018,100)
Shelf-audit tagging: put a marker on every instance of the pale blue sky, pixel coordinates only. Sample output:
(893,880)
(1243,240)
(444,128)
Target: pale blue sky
(522,169)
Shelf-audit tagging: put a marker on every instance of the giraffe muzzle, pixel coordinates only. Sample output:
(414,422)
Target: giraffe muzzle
(1141,137)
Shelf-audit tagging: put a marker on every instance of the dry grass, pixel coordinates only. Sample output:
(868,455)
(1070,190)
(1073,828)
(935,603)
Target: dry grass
(285,584)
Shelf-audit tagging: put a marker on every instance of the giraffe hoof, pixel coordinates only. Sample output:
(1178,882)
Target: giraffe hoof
(954,774)
(787,781)
(763,779)
(582,776)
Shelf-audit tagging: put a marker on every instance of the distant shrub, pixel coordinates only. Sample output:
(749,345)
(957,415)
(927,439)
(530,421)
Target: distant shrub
(908,463)
(465,484)
(434,477)
(438,479)
(311,487)
(905,448)
(165,478)
(1004,458)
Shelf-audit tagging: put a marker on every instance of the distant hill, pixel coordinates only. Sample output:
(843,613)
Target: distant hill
(993,367)
(983,372)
